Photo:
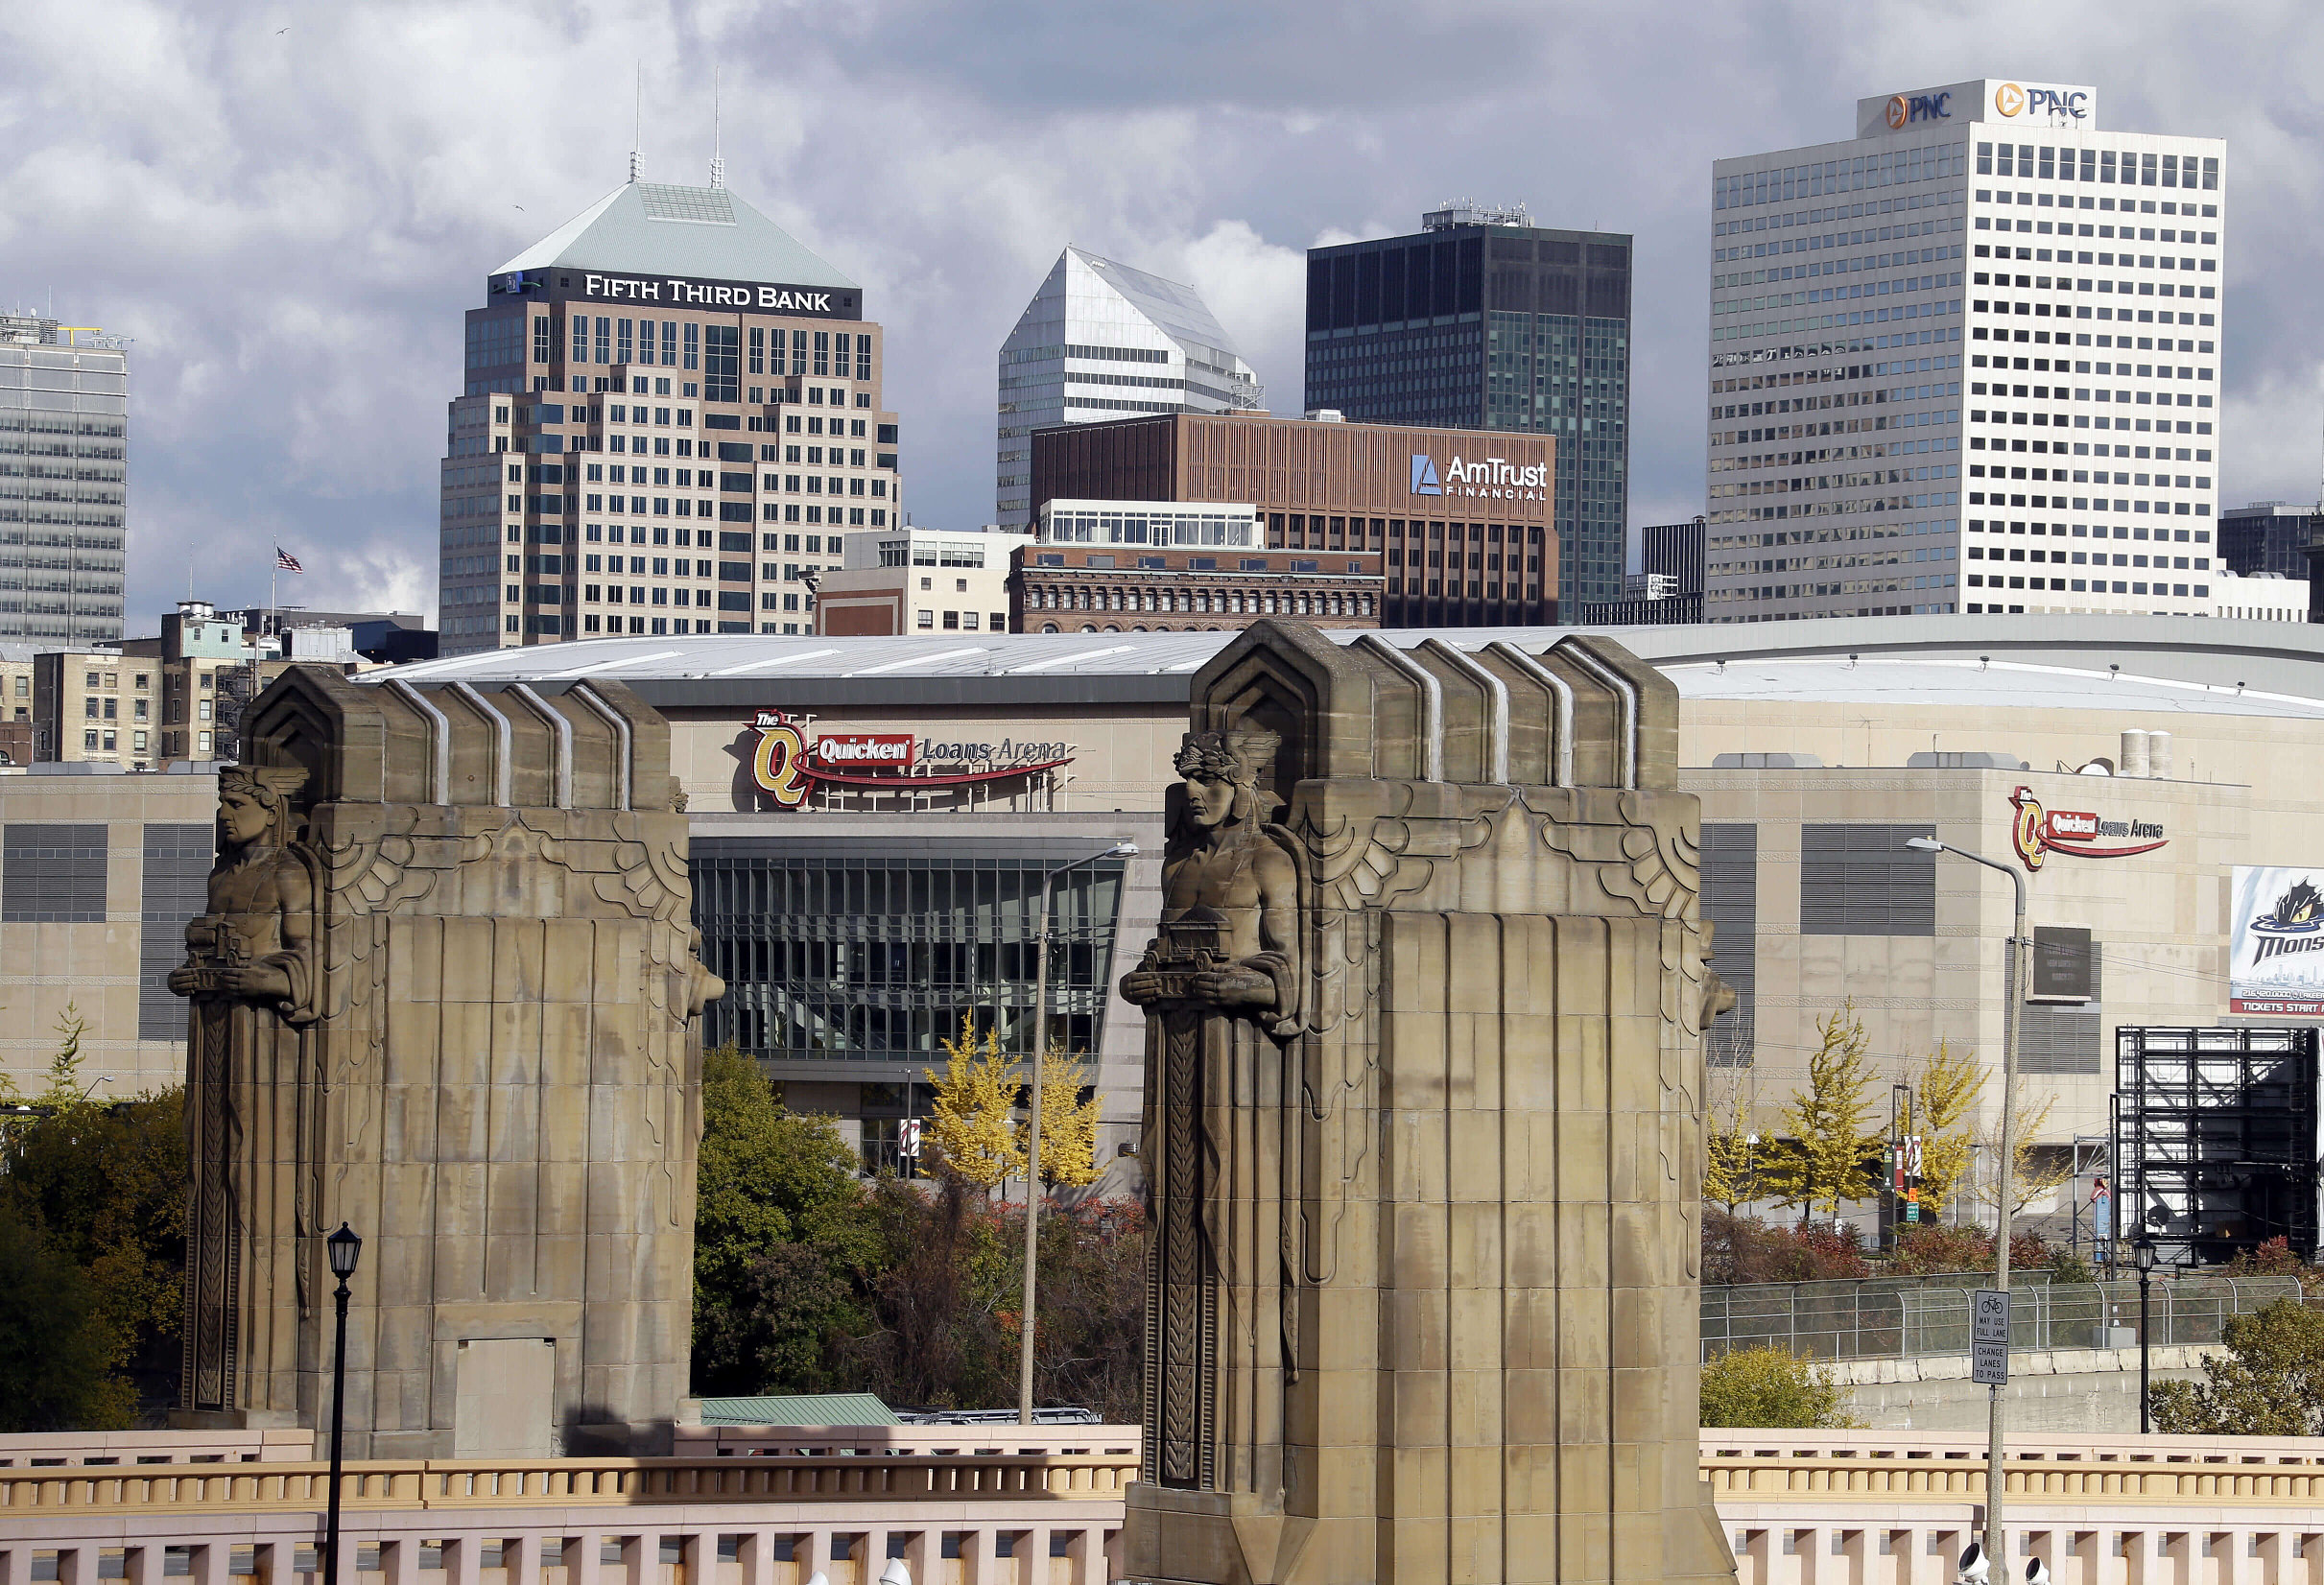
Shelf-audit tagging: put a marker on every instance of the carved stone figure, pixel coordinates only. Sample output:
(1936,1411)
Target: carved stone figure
(445,990)
(1423,1124)
(250,1090)
(1224,980)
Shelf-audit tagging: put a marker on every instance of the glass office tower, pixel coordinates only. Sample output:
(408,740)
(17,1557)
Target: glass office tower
(1102,340)
(1483,320)
(1951,355)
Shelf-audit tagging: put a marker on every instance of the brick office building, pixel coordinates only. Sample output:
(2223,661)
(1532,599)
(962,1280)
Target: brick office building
(1445,528)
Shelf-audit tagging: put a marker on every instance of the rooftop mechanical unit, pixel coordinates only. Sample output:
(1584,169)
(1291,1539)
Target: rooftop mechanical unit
(2215,1140)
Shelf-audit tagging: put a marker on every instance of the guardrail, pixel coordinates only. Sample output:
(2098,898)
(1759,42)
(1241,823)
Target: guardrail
(1883,1319)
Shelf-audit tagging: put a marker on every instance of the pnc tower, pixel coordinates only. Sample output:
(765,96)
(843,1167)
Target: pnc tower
(672,416)
(1967,359)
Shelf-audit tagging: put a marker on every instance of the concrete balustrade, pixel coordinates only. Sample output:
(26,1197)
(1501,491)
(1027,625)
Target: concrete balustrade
(1858,1507)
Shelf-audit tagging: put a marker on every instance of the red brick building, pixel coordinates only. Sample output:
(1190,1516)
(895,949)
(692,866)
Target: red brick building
(1438,528)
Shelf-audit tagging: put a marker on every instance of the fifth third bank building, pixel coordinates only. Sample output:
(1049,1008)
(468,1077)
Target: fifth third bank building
(1967,359)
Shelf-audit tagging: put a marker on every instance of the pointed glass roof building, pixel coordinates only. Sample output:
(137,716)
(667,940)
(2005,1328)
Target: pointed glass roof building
(1102,340)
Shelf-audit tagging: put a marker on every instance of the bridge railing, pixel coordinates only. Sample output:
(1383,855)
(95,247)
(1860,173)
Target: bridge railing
(1880,1318)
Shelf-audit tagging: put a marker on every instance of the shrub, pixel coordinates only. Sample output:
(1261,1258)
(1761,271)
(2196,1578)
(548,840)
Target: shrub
(1772,1388)
(1744,1249)
(2275,1259)
(2271,1383)
(56,1351)
(1929,1250)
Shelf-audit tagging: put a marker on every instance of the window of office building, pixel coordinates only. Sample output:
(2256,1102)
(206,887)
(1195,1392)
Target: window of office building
(1862,880)
(1730,902)
(53,873)
(722,363)
(177,858)
(873,950)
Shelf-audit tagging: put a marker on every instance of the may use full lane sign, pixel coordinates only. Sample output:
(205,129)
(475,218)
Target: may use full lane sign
(1989,1338)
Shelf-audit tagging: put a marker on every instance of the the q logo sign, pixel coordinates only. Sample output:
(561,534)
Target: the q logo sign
(1899,113)
(2010,101)
(780,765)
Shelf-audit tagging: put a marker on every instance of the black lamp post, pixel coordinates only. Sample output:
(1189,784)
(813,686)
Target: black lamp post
(2142,1247)
(346,1248)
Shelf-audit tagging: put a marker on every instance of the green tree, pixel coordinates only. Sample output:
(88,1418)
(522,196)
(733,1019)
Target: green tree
(1772,1387)
(781,1233)
(102,1186)
(1827,1134)
(971,1122)
(2270,1383)
(56,1349)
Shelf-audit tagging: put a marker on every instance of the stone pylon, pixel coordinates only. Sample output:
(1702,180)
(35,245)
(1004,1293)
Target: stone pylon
(1424,1125)
(444,992)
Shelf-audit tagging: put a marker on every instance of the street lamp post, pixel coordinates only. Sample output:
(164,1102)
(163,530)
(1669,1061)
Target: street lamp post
(2144,1249)
(2010,1022)
(1032,1131)
(344,1248)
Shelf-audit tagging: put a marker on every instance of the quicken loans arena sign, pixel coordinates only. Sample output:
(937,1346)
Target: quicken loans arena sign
(788,765)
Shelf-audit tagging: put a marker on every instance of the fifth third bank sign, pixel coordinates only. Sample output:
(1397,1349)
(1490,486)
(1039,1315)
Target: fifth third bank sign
(2277,965)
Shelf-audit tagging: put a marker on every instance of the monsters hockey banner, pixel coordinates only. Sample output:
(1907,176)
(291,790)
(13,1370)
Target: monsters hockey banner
(2277,929)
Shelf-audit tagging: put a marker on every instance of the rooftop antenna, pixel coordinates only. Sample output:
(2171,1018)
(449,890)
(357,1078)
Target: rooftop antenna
(637,122)
(718,162)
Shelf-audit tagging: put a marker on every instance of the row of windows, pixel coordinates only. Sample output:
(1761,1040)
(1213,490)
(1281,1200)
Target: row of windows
(2019,553)
(1897,287)
(2105,166)
(1836,267)
(1341,602)
(1775,246)
(821,352)
(1787,183)
(2076,585)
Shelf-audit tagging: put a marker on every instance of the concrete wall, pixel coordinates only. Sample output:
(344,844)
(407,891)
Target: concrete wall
(2088,1390)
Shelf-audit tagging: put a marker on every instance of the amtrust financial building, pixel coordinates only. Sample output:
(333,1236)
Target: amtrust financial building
(1432,527)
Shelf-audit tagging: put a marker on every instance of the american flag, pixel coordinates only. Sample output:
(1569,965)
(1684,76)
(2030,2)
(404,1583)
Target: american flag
(288,562)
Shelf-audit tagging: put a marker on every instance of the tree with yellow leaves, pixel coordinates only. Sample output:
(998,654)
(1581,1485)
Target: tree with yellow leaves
(1730,1151)
(1069,1125)
(1826,1134)
(971,1120)
(2035,1170)
(1945,1088)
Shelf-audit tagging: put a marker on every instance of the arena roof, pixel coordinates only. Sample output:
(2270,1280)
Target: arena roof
(2160,664)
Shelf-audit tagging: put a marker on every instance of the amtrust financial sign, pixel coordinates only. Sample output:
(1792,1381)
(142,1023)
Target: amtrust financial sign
(1493,478)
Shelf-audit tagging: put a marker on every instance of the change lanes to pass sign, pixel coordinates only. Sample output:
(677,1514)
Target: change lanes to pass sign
(1989,1338)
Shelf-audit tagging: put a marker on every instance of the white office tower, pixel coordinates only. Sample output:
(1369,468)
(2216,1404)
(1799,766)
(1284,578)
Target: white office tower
(1102,340)
(1966,361)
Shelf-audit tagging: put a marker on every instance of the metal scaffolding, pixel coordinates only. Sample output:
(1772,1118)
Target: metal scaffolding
(2216,1140)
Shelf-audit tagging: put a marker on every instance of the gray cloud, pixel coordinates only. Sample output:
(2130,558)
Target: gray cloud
(291,223)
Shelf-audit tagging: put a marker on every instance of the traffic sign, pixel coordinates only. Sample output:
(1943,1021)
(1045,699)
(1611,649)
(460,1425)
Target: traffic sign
(1989,1338)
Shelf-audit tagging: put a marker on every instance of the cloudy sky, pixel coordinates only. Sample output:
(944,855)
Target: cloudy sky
(288,207)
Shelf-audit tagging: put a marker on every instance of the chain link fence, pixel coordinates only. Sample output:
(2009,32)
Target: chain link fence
(1892,1317)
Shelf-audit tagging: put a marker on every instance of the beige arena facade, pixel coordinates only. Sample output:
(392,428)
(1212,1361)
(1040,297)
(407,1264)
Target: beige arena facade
(860,923)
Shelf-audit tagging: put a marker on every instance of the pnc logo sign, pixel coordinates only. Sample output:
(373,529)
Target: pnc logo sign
(1424,475)
(1905,109)
(2011,101)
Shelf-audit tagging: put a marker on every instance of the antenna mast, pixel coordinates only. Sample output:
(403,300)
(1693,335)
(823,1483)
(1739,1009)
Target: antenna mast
(718,162)
(637,122)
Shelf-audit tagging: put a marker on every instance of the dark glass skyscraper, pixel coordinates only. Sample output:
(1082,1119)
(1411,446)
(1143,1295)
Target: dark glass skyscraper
(1483,320)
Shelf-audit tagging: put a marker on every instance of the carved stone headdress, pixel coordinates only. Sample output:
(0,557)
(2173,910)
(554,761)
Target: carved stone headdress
(267,784)
(1240,755)
(270,787)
